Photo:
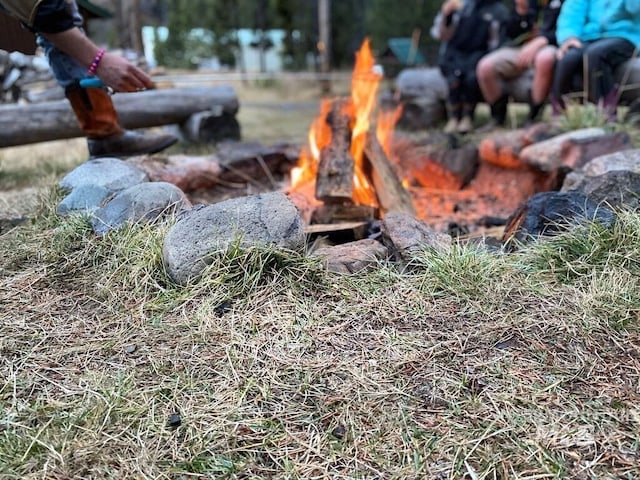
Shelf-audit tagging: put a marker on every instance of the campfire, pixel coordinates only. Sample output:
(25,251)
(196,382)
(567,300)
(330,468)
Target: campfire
(355,169)
(357,166)
(344,173)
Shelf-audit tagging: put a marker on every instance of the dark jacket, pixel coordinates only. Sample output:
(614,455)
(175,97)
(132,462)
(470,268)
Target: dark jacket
(550,14)
(540,20)
(520,28)
(44,16)
(476,24)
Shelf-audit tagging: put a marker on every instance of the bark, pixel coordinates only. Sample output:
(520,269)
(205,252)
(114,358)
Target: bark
(343,213)
(334,181)
(32,123)
(392,196)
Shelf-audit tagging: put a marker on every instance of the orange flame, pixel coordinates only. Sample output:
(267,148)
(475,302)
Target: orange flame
(360,107)
(319,137)
(364,93)
(385,125)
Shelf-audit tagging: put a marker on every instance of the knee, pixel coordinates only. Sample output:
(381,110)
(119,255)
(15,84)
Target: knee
(485,68)
(595,55)
(545,61)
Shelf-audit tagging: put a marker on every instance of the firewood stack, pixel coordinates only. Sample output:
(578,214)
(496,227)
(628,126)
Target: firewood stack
(337,169)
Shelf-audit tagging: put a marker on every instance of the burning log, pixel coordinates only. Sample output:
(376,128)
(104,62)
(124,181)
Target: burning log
(326,214)
(334,181)
(392,196)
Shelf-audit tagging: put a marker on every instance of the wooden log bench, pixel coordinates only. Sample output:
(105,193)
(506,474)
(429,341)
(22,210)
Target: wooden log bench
(423,92)
(205,114)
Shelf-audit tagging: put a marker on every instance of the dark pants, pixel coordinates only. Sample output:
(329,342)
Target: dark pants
(459,70)
(602,58)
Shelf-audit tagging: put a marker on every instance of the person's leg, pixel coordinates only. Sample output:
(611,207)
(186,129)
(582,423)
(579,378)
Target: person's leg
(542,77)
(454,110)
(492,70)
(454,101)
(603,57)
(94,108)
(563,77)
(471,96)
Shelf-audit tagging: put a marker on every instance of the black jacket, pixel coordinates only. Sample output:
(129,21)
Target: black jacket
(540,20)
(475,26)
(45,16)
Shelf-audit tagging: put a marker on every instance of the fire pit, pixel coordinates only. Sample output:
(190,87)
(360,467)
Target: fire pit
(356,170)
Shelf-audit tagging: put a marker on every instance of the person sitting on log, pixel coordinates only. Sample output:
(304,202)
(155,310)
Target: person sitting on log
(468,30)
(597,37)
(74,57)
(528,45)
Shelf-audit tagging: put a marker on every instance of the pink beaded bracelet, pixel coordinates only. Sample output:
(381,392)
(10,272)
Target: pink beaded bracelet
(96,61)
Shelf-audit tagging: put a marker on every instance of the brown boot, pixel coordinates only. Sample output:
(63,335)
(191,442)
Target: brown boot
(98,119)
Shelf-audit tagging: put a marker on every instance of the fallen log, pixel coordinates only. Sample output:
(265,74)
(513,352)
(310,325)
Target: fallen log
(41,122)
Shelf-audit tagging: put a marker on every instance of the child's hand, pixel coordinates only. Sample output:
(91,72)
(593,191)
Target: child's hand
(450,6)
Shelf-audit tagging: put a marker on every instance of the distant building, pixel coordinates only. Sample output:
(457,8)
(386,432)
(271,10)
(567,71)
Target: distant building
(248,57)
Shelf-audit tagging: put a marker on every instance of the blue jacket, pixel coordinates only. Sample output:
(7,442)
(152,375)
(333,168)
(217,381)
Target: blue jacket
(593,19)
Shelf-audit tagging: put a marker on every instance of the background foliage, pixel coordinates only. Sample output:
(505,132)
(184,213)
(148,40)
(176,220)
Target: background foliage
(351,21)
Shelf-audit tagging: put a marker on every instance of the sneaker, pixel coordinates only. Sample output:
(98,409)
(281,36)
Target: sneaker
(451,126)
(465,125)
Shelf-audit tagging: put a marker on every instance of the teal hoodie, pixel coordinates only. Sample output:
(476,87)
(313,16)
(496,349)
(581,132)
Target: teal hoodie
(593,19)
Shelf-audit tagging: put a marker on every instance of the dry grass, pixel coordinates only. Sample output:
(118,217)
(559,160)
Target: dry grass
(466,365)
(27,172)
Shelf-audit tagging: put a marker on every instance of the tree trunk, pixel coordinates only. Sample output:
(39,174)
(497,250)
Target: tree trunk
(129,25)
(324,22)
(41,122)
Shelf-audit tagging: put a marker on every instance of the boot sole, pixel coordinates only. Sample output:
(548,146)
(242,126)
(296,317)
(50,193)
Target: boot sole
(158,148)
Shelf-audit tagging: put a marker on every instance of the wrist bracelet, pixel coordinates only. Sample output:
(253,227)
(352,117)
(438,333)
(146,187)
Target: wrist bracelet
(96,61)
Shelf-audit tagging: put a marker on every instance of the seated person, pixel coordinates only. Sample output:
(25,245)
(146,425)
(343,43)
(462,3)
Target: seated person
(602,34)
(73,57)
(528,45)
(468,30)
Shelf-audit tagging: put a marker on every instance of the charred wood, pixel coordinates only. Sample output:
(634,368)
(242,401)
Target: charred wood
(334,180)
(392,196)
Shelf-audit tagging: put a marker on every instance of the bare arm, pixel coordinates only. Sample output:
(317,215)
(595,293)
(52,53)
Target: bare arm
(115,71)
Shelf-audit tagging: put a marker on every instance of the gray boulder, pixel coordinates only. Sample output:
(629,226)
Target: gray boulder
(406,236)
(109,173)
(267,219)
(616,188)
(83,199)
(146,202)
